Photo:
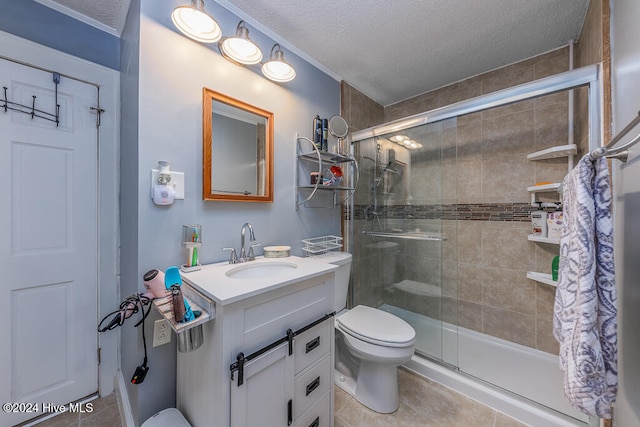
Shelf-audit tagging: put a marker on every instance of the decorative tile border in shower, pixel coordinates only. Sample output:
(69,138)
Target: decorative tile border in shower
(455,212)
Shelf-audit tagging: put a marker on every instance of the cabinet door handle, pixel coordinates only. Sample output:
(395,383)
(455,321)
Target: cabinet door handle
(314,343)
(315,422)
(289,412)
(313,385)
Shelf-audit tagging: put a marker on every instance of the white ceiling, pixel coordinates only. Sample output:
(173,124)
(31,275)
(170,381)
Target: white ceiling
(394,50)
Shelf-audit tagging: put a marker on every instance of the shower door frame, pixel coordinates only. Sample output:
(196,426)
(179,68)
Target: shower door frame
(585,76)
(588,75)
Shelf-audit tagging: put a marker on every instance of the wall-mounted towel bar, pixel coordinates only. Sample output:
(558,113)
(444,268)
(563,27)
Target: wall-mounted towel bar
(621,152)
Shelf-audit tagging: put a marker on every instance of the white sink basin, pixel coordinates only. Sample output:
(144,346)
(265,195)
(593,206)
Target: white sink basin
(260,270)
(228,283)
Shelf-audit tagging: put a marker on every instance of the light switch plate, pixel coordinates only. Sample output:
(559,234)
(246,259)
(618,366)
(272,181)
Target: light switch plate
(177,179)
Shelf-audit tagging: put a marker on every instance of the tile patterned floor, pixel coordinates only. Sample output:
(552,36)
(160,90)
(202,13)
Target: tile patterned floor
(423,403)
(105,414)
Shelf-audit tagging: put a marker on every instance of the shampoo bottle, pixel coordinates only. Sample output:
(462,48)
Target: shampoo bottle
(317,132)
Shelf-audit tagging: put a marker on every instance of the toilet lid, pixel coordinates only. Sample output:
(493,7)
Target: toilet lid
(376,326)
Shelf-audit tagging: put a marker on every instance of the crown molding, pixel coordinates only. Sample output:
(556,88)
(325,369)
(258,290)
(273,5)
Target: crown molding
(80,17)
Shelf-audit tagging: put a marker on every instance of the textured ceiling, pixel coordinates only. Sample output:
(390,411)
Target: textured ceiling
(108,15)
(394,50)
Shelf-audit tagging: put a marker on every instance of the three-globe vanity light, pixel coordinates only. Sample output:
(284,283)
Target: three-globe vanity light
(197,24)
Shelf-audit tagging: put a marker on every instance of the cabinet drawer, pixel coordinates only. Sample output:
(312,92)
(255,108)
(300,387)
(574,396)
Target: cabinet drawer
(313,344)
(318,416)
(311,386)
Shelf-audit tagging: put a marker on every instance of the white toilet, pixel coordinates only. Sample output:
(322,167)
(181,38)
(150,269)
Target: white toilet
(370,345)
(169,417)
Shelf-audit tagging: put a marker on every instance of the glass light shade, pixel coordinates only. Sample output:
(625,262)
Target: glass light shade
(276,68)
(195,23)
(240,48)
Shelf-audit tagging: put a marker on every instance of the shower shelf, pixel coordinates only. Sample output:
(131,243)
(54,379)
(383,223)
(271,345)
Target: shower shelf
(325,157)
(542,278)
(547,188)
(568,151)
(554,152)
(316,161)
(544,188)
(535,238)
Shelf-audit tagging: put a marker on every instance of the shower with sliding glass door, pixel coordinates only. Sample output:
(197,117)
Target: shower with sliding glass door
(439,230)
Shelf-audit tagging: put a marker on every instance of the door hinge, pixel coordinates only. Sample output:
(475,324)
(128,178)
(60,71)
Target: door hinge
(99,355)
(99,112)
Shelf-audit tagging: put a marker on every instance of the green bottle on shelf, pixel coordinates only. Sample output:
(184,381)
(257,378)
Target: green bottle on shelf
(555,264)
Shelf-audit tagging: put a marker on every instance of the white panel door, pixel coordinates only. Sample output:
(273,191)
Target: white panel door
(48,244)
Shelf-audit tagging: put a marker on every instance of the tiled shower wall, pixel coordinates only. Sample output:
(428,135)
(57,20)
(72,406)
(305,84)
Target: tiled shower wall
(479,163)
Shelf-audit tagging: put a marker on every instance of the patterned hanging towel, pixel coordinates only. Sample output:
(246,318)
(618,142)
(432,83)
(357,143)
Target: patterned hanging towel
(584,321)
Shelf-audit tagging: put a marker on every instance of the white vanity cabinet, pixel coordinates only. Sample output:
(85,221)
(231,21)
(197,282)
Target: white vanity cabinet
(283,338)
(288,384)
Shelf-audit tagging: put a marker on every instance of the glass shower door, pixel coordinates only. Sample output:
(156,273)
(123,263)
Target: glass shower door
(400,238)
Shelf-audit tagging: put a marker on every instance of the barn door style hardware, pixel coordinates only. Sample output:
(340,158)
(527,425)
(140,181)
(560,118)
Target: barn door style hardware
(31,109)
(241,359)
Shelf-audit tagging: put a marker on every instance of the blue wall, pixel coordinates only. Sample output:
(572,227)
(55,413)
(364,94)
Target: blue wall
(58,31)
(166,105)
(162,74)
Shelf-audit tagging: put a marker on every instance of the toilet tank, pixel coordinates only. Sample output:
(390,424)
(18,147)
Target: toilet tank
(343,261)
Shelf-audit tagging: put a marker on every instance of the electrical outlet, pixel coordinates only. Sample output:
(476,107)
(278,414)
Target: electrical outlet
(161,332)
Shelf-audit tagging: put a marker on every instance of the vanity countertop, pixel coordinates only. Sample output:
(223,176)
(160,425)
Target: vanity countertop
(213,279)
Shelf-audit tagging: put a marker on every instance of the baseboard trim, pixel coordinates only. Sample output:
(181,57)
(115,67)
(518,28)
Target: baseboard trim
(126,416)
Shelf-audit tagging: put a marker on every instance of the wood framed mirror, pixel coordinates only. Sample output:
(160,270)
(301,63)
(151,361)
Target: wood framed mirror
(237,150)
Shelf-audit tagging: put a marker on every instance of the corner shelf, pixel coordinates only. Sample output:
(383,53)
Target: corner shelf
(542,278)
(554,152)
(547,188)
(544,188)
(321,159)
(540,239)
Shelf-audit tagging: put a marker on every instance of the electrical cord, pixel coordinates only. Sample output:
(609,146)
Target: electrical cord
(128,307)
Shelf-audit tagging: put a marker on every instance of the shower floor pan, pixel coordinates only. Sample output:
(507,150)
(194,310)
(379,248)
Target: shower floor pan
(522,382)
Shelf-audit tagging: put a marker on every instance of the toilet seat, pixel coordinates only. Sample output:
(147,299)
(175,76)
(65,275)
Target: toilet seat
(376,327)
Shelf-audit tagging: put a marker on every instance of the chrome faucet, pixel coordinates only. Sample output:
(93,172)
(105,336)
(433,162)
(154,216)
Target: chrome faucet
(244,254)
(252,238)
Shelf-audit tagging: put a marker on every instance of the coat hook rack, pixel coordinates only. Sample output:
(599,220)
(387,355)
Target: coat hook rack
(32,110)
